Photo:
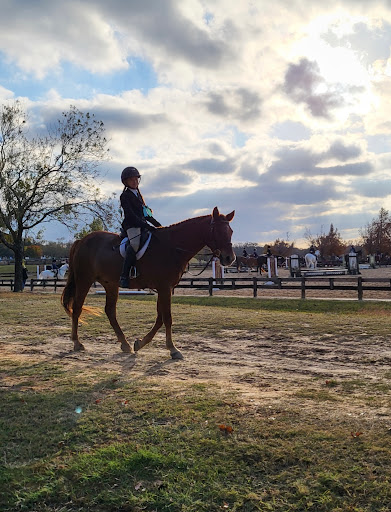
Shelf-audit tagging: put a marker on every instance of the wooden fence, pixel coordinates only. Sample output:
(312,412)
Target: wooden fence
(258,285)
(301,284)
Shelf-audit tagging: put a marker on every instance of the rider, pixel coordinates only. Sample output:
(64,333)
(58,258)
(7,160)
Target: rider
(312,249)
(255,254)
(245,254)
(136,218)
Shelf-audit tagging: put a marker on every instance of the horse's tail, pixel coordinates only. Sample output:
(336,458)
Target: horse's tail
(69,291)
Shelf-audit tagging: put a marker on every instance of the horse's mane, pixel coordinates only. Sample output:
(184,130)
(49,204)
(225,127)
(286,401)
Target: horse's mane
(179,225)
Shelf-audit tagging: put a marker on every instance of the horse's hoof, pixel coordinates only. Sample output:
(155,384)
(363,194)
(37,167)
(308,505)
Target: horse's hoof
(79,347)
(136,345)
(176,355)
(125,347)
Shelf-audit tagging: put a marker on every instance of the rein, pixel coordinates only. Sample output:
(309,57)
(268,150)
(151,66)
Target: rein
(205,267)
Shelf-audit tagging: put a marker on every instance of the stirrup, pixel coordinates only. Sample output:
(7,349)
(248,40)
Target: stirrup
(133,273)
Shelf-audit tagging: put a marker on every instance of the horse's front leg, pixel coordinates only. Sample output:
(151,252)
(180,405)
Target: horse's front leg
(163,316)
(138,344)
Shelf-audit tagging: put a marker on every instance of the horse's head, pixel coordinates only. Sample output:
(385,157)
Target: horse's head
(219,239)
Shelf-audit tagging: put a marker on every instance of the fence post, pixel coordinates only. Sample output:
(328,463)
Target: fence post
(303,287)
(31,285)
(359,288)
(255,287)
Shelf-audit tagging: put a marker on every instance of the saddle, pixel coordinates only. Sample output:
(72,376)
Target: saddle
(145,238)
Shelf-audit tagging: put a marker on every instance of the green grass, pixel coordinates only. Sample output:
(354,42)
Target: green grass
(147,444)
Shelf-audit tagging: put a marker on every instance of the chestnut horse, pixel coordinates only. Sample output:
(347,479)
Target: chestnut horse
(96,258)
(251,262)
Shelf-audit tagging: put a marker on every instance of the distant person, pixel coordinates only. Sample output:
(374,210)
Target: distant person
(24,275)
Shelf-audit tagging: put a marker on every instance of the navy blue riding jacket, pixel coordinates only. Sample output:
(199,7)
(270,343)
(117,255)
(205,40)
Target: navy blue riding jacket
(132,206)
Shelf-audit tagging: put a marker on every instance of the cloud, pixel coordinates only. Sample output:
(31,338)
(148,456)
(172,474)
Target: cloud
(241,103)
(372,188)
(303,161)
(210,165)
(301,83)
(342,151)
(373,42)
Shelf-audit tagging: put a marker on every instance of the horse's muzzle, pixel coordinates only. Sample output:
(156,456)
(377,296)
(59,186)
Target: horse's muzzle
(227,258)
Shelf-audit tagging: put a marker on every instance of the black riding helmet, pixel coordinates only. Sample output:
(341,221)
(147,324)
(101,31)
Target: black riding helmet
(129,172)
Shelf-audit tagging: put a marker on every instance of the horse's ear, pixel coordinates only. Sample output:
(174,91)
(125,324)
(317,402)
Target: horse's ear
(216,213)
(230,216)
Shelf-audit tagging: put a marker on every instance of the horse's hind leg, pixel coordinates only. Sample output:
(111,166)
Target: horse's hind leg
(77,307)
(111,312)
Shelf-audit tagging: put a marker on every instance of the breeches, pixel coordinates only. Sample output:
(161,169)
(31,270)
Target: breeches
(134,237)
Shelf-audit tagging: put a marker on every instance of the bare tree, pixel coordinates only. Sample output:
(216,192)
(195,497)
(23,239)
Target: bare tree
(48,177)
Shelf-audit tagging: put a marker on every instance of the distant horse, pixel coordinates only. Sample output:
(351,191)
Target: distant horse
(310,260)
(261,261)
(171,248)
(251,262)
(246,261)
(54,274)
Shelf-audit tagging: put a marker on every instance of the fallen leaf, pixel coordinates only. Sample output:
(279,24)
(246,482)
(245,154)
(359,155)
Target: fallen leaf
(227,429)
(356,434)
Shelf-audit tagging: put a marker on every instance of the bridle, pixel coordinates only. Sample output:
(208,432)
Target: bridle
(212,243)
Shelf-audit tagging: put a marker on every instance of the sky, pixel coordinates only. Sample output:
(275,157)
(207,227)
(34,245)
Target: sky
(278,110)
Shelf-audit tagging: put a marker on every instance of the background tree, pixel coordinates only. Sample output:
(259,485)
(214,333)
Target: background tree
(282,247)
(331,244)
(95,225)
(376,236)
(50,177)
(33,251)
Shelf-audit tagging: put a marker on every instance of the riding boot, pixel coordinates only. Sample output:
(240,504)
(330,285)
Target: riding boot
(129,267)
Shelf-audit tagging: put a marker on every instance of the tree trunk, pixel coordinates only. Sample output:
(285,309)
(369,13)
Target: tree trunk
(18,276)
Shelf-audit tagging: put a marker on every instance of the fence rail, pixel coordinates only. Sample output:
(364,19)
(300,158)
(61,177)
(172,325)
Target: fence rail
(302,284)
(256,284)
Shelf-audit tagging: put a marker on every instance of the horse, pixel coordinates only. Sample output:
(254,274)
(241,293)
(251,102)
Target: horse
(261,261)
(310,260)
(246,261)
(96,257)
(54,274)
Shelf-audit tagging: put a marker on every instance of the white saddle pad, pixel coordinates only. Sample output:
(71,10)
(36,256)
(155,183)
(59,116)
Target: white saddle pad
(141,252)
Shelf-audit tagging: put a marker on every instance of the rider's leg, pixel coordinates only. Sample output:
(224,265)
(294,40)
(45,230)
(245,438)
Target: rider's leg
(129,264)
